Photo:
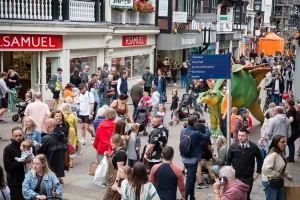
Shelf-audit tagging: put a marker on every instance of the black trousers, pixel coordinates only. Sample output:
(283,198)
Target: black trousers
(16,193)
(147,89)
(223,125)
(248,181)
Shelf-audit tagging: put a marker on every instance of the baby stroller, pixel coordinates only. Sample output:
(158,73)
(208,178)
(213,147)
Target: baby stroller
(187,100)
(21,109)
(141,118)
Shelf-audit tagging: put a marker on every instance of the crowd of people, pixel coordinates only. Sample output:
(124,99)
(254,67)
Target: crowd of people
(48,141)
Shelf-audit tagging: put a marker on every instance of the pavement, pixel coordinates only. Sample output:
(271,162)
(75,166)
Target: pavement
(79,185)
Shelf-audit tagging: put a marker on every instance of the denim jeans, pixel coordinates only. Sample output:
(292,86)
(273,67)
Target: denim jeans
(183,81)
(155,109)
(135,107)
(273,194)
(291,143)
(289,85)
(215,169)
(276,98)
(190,180)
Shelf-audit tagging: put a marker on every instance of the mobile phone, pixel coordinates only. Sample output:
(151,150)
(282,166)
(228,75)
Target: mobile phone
(223,180)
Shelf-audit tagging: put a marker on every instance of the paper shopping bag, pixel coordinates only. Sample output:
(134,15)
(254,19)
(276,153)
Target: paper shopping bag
(292,192)
(93,168)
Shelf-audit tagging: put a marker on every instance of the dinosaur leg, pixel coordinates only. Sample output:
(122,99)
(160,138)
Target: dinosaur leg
(213,121)
(218,131)
(256,111)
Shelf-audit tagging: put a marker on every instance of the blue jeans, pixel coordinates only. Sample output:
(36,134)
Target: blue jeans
(135,107)
(276,98)
(190,180)
(183,81)
(215,169)
(155,109)
(273,194)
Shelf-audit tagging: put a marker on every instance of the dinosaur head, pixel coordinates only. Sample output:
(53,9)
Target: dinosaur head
(210,98)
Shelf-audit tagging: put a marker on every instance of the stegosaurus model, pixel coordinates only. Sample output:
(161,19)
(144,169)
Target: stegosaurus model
(245,91)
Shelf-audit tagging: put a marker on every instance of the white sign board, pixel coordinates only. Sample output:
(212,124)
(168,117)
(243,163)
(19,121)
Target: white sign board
(121,3)
(180,17)
(224,23)
(163,8)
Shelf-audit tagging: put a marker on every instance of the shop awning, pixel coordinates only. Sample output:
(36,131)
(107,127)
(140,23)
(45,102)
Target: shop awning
(179,41)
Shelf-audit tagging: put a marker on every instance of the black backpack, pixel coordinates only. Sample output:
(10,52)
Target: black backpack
(185,145)
(52,81)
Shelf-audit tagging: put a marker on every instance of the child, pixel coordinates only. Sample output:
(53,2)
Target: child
(155,97)
(234,112)
(174,106)
(28,97)
(168,77)
(134,145)
(26,151)
(250,121)
(162,112)
(125,174)
(146,100)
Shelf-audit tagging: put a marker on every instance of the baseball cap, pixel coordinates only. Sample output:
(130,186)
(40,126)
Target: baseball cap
(59,69)
(242,110)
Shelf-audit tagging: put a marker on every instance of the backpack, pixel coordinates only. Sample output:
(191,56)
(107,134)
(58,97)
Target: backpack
(52,82)
(185,145)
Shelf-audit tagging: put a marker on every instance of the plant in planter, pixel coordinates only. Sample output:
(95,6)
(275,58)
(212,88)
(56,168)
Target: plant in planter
(142,6)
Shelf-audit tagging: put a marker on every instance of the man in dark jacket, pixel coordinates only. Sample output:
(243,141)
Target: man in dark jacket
(14,169)
(277,86)
(191,162)
(122,86)
(53,145)
(136,94)
(241,155)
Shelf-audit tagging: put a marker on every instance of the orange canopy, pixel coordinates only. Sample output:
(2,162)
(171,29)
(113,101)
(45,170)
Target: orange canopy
(270,44)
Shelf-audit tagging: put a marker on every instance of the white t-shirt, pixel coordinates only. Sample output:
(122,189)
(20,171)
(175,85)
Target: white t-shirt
(84,101)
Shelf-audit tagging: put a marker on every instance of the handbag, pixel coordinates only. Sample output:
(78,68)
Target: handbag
(111,93)
(67,160)
(93,168)
(71,149)
(276,183)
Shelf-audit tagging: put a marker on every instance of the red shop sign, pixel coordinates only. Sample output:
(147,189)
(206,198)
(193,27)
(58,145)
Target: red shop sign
(12,41)
(134,40)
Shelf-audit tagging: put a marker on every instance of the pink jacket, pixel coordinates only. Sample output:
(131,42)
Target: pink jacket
(237,191)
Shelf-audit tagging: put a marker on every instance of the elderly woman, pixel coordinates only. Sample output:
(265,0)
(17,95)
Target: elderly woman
(30,132)
(41,182)
(72,139)
(219,161)
(100,116)
(103,133)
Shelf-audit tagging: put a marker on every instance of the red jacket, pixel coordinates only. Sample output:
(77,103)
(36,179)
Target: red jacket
(103,134)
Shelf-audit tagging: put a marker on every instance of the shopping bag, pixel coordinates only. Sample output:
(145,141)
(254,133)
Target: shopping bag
(71,149)
(93,168)
(100,172)
(292,192)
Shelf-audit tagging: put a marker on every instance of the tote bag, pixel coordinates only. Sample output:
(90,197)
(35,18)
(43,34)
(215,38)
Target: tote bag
(292,192)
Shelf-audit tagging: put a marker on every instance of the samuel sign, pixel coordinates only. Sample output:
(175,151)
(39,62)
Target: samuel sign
(121,3)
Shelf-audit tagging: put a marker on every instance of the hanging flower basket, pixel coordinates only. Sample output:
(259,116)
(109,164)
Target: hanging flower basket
(143,7)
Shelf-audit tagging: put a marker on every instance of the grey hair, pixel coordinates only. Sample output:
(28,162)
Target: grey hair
(228,172)
(113,69)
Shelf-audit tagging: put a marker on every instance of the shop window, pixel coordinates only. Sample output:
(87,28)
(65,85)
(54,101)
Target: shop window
(139,64)
(210,6)
(122,63)
(81,62)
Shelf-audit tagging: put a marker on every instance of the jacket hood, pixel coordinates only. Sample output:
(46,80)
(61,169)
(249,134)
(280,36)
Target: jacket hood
(57,135)
(107,124)
(240,185)
(281,117)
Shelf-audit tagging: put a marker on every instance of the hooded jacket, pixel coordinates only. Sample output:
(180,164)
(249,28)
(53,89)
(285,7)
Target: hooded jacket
(103,134)
(279,125)
(236,191)
(53,145)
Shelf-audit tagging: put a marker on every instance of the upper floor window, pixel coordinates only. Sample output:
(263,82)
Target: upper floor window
(210,6)
(190,6)
(240,13)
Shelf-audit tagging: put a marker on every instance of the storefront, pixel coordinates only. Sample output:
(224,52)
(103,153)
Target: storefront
(133,53)
(177,47)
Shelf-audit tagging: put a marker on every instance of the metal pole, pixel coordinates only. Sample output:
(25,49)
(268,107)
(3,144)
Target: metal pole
(228,113)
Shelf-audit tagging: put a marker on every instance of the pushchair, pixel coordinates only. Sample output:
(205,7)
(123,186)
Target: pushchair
(21,109)
(187,100)
(141,118)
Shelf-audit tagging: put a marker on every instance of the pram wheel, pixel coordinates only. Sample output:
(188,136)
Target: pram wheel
(15,118)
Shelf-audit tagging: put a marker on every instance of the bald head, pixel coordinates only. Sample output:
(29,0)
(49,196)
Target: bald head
(38,96)
(278,110)
(50,124)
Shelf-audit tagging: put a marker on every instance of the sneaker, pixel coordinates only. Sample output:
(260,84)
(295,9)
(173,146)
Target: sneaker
(171,123)
(83,142)
(103,185)
(202,185)
(290,160)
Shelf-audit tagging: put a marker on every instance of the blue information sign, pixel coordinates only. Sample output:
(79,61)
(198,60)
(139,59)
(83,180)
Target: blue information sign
(210,66)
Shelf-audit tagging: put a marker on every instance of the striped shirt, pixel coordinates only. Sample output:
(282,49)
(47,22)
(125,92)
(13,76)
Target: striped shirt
(148,192)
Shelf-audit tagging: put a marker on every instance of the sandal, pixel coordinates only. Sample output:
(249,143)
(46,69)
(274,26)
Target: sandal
(71,165)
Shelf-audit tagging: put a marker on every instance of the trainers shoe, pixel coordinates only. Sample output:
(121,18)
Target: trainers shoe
(202,185)
(171,123)
(290,160)
(103,185)
(83,142)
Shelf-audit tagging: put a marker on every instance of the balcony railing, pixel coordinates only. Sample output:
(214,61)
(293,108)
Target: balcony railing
(47,10)
(130,17)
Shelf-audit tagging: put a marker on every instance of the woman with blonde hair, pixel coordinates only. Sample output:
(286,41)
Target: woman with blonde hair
(219,161)
(40,182)
(30,132)
(183,73)
(71,120)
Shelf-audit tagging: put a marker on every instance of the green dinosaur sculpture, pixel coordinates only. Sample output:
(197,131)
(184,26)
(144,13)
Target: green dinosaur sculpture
(245,91)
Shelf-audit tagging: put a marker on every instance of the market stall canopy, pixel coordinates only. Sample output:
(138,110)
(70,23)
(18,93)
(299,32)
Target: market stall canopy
(270,44)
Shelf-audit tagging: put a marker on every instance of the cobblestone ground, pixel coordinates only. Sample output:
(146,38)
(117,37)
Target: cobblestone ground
(78,184)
